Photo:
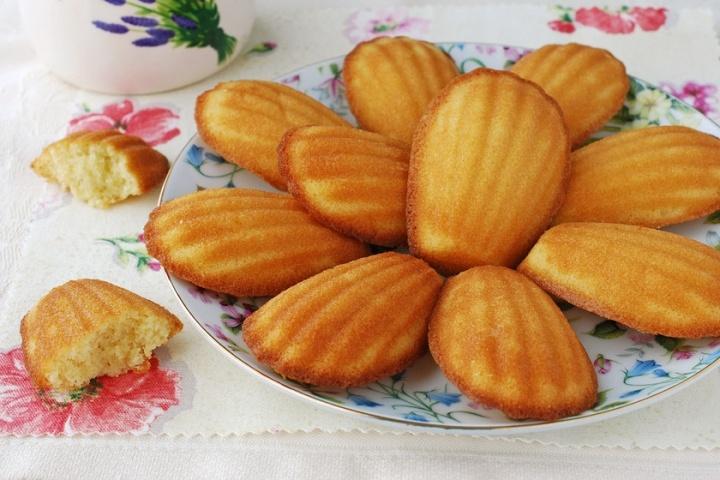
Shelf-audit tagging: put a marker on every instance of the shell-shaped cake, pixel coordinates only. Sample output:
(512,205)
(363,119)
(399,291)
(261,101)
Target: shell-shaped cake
(244,242)
(488,170)
(588,83)
(650,280)
(350,325)
(350,180)
(391,80)
(244,120)
(87,328)
(504,343)
(102,168)
(651,176)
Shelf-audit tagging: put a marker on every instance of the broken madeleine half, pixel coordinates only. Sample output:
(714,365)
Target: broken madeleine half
(87,328)
(102,168)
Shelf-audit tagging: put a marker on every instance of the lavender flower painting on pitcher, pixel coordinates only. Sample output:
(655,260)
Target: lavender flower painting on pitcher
(182,23)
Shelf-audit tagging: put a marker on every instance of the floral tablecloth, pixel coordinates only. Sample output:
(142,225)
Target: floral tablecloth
(192,389)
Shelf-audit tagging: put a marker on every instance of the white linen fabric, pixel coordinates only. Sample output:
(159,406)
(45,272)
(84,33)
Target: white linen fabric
(46,240)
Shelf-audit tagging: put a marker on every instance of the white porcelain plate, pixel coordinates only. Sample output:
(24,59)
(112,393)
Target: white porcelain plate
(632,368)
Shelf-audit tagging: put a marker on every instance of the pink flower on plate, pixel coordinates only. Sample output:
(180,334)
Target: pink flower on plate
(699,95)
(128,403)
(155,125)
(371,23)
(603,20)
(602,365)
(639,338)
(682,354)
(649,19)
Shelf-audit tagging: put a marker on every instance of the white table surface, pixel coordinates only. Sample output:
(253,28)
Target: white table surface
(346,455)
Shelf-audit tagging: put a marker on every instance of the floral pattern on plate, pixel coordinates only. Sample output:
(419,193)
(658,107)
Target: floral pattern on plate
(632,367)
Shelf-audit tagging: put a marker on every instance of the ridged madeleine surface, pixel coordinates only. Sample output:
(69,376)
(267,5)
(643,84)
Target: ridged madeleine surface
(504,343)
(86,328)
(350,180)
(244,120)
(350,325)
(653,281)
(391,80)
(244,242)
(588,83)
(652,176)
(488,170)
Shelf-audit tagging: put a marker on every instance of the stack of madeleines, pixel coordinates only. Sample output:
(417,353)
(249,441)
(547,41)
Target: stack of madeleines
(476,173)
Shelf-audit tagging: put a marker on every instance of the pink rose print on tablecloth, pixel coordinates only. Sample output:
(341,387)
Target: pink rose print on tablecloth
(622,20)
(154,124)
(371,23)
(128,403)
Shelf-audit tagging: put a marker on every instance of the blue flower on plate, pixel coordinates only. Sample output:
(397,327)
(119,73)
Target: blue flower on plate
(444,397)
(642,367)
(362,401)
(415,416)
(630,394)
(660,372)
(195,156)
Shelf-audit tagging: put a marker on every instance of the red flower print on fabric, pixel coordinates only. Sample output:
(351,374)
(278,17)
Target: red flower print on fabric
(128,403)
(156,125)
(622,20)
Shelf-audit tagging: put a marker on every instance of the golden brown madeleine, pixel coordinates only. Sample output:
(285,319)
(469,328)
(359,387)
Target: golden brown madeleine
(652,177)
(244,120)
(87,328)
(353,181)
(349,325)
(504,343)
(244,242)
(391,80)
(653,281)
(102,168)
(588,83)
(488,170)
